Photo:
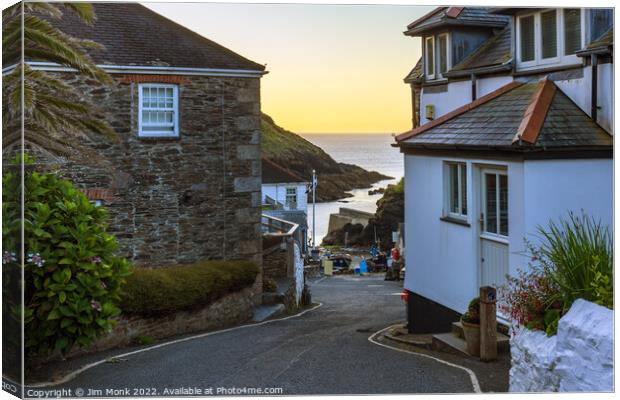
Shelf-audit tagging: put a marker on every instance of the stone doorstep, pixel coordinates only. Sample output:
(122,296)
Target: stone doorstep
(454,342)
(503,341)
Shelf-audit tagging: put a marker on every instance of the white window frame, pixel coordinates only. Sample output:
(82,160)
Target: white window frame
(286,196)
(491,235)
(175,110)
(448,54)
(538,61)
(462,171)
(432,39)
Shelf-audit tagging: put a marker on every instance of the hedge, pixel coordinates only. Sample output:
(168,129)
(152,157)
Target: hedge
(169,289)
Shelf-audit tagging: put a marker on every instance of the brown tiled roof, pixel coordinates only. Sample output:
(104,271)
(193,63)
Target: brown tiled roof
(470,16)
(416,73)
(135,35)
(275,173)
(494,52)
(544,116)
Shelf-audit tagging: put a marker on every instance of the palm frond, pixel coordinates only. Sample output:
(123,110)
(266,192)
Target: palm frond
(85,11)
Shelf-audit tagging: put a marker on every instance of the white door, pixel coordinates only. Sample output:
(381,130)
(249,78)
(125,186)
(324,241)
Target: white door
(494,228)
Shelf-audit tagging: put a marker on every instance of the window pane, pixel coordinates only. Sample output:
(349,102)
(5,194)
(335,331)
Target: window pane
(443,54)
(491,203)
(454,189)
(463,169)
(549,29)
(572,30)
(527,38)
(430,57)
(503,205)
(600,21)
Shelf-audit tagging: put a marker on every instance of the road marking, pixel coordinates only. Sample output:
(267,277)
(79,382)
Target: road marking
(472,375)
(86,367)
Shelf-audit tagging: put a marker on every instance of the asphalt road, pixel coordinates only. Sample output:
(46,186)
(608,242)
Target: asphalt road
(325,351)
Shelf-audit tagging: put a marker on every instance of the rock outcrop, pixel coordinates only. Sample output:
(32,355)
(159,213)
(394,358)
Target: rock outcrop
(390,212)
(300,156)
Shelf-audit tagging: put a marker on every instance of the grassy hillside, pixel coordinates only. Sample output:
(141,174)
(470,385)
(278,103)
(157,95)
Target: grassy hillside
(299,155)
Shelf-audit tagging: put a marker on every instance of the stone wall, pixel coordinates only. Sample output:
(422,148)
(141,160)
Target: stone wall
(578,359)
(229,310)
(178,200)
(274,264)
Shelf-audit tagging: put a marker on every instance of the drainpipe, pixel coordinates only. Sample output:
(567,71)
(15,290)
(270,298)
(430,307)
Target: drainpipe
(473,87)
(594,99)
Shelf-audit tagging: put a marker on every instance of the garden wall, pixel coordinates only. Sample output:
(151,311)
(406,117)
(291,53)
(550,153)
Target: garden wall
(229,310)
(578,359)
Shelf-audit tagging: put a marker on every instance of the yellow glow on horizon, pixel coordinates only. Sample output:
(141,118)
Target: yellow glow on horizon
(332,68)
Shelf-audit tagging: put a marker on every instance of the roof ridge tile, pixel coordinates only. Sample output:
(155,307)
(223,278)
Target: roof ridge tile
(536,112)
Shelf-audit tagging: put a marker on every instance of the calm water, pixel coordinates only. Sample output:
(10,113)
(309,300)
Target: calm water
(371,152)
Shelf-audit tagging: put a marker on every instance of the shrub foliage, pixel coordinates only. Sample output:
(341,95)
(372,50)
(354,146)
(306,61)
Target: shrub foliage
(574,260)
(166,290)
(72,277)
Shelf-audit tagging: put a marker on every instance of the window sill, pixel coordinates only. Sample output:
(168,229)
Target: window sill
(159,138)
(454,220)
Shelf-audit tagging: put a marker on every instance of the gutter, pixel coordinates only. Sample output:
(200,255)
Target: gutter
(507,66)
(138,69)
(605,49)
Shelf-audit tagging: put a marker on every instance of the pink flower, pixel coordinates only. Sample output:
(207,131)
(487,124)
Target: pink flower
(95,305)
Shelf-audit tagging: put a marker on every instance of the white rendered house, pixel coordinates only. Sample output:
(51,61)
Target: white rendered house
(283,188)
(508,143)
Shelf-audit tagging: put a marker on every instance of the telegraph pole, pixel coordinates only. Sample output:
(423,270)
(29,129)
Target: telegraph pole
(313,208)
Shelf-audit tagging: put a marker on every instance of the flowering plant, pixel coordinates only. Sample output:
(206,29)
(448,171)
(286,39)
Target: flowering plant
(531,300)
(73,278)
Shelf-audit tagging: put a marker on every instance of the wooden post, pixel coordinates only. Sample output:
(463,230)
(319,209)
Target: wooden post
(488,324)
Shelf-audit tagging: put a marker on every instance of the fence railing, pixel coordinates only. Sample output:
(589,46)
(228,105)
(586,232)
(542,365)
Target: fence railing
(273,225)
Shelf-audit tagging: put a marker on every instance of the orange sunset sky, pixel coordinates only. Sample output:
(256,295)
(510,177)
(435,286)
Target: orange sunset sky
(332,68)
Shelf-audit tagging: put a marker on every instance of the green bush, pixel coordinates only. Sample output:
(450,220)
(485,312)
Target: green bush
(577,255)
(169,289)
(472,315)
(72,278)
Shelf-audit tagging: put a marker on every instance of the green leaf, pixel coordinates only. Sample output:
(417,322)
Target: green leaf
(54,314)
(62,297)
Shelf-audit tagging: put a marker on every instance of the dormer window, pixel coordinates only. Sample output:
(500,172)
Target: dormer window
(430,57)
(549,37)
(443,53)
(572,30)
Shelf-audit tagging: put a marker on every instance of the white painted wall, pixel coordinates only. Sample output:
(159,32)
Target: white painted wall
(555,187)
(488,85)
(578,359)
(278,192)
(443,258)
(458,94)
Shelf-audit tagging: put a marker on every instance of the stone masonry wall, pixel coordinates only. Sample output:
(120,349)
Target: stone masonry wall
(186,199)
(229,310)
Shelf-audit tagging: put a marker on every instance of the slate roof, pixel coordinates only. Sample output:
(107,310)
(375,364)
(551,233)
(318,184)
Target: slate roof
(496,120)
(416,73)
(465,16)
(494,52)
(135,35)
(275,173)
(603,44)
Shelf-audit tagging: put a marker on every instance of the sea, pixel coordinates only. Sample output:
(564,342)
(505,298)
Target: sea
(372,152)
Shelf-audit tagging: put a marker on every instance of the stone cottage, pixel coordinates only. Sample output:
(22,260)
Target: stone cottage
(183,180)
